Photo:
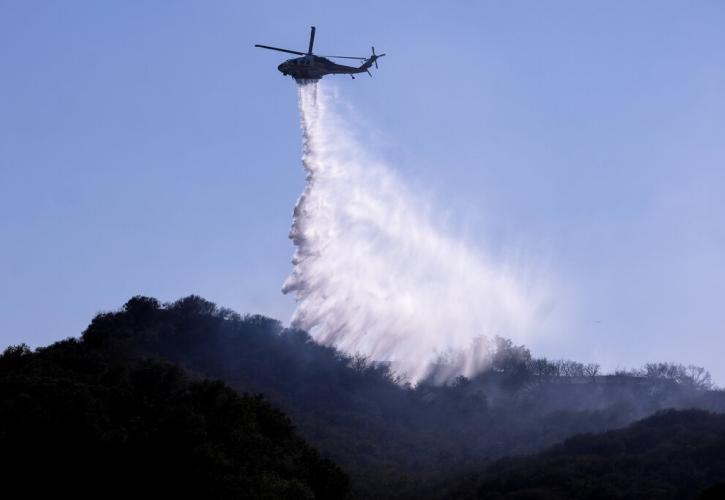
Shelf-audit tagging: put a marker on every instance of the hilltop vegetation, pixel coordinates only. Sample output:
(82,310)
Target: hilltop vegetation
(392,439)
(81,423)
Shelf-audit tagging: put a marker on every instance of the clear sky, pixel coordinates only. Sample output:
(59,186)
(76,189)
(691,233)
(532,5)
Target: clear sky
(148,148)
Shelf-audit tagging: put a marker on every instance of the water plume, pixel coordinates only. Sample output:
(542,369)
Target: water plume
(374,275)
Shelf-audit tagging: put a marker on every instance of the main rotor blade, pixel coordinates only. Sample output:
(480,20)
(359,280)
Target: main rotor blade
(345,57)
(312,39)
(281,50)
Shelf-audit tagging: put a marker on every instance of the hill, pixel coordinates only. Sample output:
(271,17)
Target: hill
(81,422)
(671,455)
(396,440)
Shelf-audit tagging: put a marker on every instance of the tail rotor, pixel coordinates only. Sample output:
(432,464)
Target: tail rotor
(368,62)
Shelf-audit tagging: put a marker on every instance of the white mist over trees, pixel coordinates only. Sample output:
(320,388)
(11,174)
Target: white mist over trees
(373,274)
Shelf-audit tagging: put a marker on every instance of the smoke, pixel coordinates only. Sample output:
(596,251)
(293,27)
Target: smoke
(374,275)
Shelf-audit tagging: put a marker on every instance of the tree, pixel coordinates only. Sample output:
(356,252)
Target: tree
(591,370)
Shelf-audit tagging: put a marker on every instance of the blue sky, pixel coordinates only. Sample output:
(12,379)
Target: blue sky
(148,148)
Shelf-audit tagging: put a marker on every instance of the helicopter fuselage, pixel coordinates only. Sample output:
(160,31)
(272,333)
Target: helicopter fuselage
(313,67)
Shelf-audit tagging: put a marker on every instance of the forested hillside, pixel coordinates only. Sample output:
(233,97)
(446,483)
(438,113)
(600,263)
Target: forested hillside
(673,454)
(78,422)
(393,439)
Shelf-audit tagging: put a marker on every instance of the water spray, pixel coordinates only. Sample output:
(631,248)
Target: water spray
(374,276)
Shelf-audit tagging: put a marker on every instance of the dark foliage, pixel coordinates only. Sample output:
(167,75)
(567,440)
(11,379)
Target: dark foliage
(671,455)
(396,440)
(81,422)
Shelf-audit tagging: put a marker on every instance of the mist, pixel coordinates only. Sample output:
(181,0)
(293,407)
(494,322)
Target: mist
(376,275)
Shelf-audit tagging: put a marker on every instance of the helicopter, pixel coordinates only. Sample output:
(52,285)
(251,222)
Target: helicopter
(313,67)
